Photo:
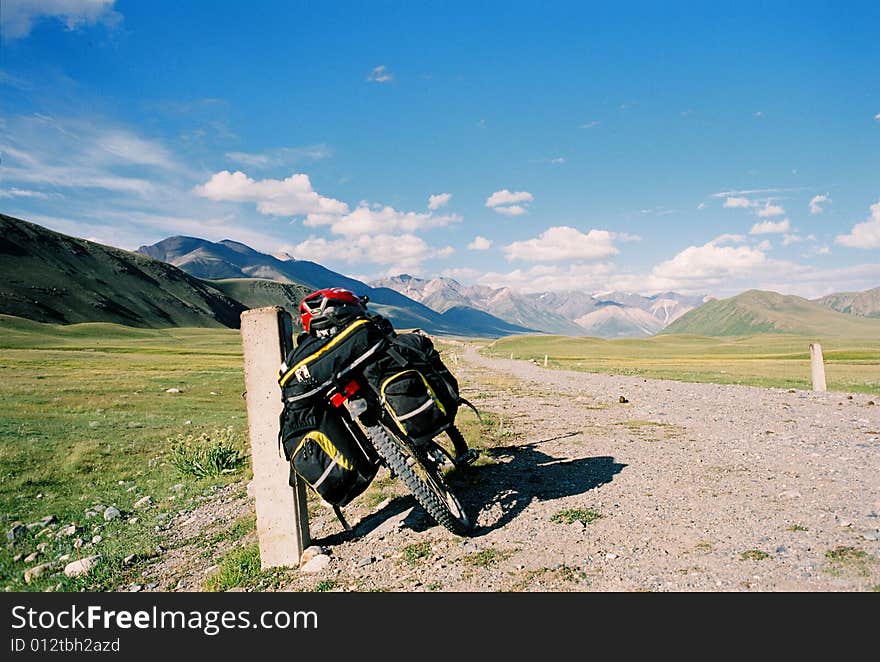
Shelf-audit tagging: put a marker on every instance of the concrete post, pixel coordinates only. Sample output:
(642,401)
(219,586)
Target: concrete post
(817,365)
(282,515)
(545,360)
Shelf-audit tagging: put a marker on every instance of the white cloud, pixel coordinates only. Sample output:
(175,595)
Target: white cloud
(505,202)
(281,156)
(18,17)
(293,196)
(372,219)
(769,227)
(563,243)
(505,197)
(769,210)
(462,274)
(21,193)
(543,278)
(816,203)
(765,245)
(865,234)
(737,202)
(77,153)
(709,263)
(512,210)
(558,160)
(480,244)
(877,117)
(758,113)
(439,200)
(590,125)
(380,74)
(402,251)
(790,239)
(702,205)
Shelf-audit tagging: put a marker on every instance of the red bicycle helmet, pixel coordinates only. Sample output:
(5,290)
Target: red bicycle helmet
(324,311)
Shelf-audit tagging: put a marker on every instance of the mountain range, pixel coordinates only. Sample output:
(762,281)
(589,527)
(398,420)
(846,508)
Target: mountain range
(605,315)
(185,281)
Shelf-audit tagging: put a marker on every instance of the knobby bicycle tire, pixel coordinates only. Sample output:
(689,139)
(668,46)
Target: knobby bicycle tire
(423,480)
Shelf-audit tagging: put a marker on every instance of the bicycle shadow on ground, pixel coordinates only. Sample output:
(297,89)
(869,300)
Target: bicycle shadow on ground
(523,473)
(401,511)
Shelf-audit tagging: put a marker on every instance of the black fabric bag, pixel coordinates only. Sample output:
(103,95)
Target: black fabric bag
(415,386)
(317,361)
(325,447)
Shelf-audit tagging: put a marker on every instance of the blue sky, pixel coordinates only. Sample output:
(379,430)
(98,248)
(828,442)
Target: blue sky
(700,147)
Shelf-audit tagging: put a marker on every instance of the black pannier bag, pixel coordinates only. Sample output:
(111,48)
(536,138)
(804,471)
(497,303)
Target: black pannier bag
(333,457)
(321,442)
(317,361)
(416,388)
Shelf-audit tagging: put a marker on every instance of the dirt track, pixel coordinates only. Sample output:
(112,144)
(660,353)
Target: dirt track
(698,487)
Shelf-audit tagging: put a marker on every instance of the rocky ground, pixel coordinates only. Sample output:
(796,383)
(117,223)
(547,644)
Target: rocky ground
(606,483)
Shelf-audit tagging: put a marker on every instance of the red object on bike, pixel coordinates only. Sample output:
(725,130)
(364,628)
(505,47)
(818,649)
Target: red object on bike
(337,399)
(331,307)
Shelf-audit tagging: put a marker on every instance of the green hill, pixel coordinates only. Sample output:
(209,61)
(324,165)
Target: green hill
(259,292)
(866,304)
(756,312)
(51,277)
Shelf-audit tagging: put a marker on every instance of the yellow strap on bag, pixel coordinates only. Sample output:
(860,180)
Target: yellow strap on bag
(326,348)
(327,446)
(432,399)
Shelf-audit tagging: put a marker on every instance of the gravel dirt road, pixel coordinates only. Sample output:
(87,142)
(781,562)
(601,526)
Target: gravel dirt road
(610,483)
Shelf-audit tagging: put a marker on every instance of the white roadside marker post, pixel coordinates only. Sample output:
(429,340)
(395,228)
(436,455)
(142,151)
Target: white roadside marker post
(818,367)
(282,514)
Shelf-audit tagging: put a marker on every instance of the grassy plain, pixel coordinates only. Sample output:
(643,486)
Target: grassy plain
(86,419)
(851,365)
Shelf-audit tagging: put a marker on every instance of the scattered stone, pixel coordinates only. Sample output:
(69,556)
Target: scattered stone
(42,546)
(622,399)
(871,536)
(17,532)
(96,539)
(611,556)
(64,557)
(79,542)
(111,513)
(152,585)
(143,502)
(365,562)
(135,588)
(187,422)
(177,487)
(69,530)
(133,488)
(81,567)
(250,489)
(132,520)
(172,390)
(790,494)
(128,560)
(311,552)
(17,557)
(37,571)
(30,558)
(316,564)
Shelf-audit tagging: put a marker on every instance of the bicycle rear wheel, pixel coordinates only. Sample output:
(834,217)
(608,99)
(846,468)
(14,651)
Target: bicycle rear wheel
(423,477)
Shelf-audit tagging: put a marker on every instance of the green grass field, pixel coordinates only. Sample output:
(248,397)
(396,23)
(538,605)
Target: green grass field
(763,360)
(85,419)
